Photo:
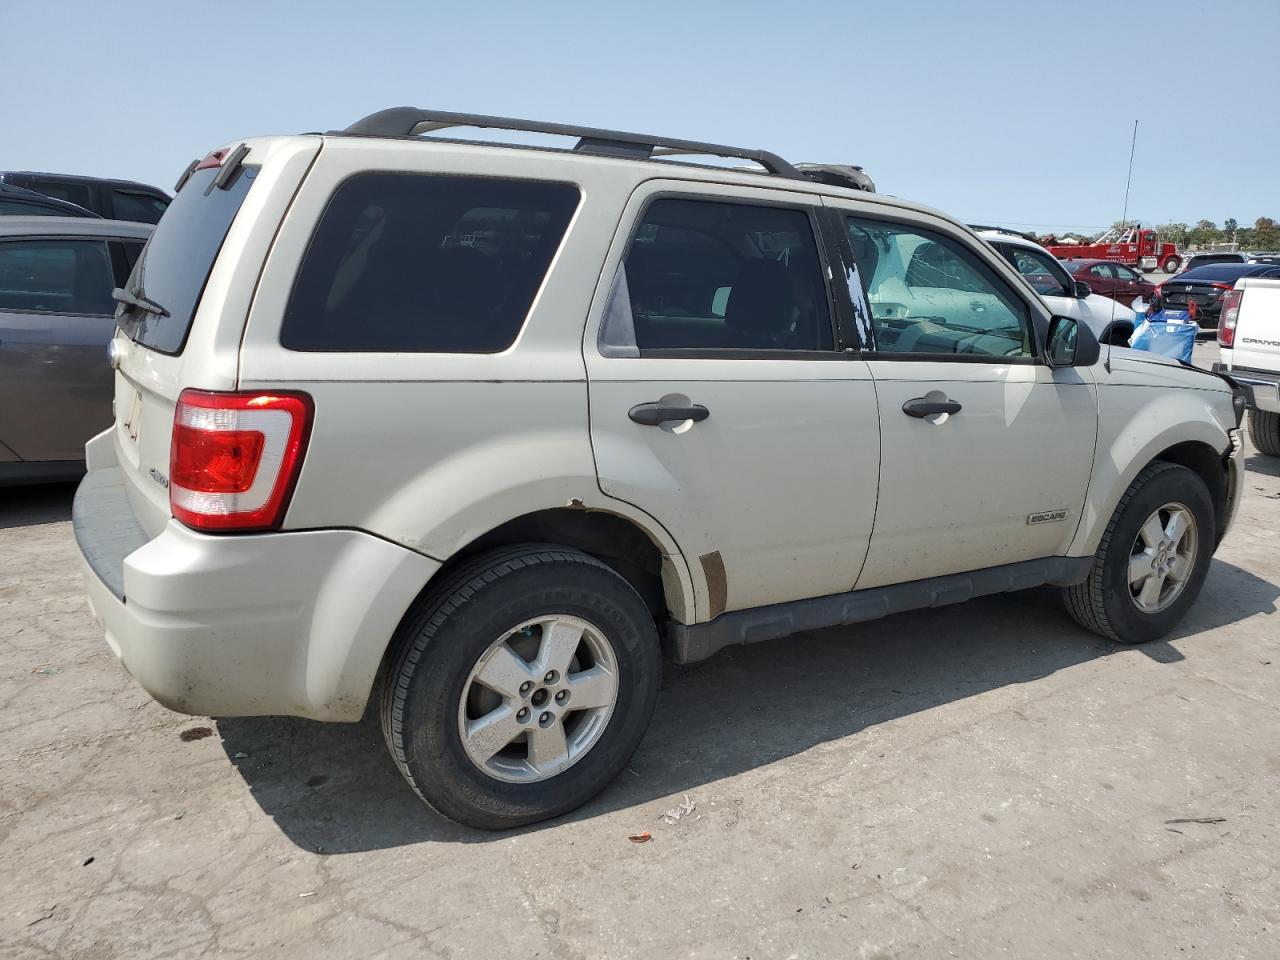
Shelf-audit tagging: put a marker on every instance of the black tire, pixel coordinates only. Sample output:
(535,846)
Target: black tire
(440,642)
(1102,602)
(1264,431)
(1171,265)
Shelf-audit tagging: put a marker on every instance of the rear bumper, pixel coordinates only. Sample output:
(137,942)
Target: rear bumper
(275,623)
(1262,388)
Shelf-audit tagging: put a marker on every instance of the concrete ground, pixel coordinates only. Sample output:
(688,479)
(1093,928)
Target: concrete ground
(985,780)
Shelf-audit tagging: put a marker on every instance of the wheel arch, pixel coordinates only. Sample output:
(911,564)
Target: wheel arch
(1206,454)
(642,553)
(624,545)
(1210,466)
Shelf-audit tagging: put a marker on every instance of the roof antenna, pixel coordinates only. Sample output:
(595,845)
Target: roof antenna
(1124,224)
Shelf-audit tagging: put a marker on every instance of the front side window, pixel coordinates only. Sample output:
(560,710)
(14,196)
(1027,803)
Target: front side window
(1124,273)
(704,275)
(929,294)
(56,276)
(426,264)
(1041,270)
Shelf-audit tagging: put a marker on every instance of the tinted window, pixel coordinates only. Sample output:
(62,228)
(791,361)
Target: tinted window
(1042,271)
(177,259)
(927,293)
(140,207)
(1204,259)
(1124,273)
(23,209)
(702,275)
(77,193)
(56,276)
(1222,272)
(1102,271)
(427,264)
(132,250)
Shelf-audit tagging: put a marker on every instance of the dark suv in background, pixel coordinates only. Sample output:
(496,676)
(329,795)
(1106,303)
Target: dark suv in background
(113,199)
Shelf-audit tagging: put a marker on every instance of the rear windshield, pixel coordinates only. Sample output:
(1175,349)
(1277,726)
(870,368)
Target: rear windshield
(426,264)
(177,259)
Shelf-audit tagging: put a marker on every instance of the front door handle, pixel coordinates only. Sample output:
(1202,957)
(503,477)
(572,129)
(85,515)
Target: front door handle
(920,407)
(653,414)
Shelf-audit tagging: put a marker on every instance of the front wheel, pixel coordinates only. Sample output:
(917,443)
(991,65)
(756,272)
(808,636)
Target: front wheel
(1152,560)
(1171,264)
(521,687)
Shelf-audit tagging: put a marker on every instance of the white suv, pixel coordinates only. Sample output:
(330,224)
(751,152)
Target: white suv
(487,428)
(1110,321)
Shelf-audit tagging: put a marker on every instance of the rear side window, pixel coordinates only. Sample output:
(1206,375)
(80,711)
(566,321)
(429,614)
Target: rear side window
(56,276)
(426,264)
(139,207)
(703,275)
(177,259)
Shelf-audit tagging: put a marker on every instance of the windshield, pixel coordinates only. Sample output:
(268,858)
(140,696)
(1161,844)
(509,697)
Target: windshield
(176,261)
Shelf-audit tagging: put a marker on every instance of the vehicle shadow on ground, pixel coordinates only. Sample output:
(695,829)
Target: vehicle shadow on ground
(332,788)
(24,506)
(1263,464)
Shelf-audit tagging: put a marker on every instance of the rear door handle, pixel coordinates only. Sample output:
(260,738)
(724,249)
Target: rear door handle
(653,414)
(920,407)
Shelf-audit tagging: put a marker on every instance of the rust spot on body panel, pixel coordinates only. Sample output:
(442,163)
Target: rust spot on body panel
(717,585)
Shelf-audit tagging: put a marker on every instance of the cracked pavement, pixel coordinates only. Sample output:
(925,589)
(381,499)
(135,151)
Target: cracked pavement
(981,780)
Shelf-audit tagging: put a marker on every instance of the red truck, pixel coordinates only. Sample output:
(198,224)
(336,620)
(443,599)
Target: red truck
(1134,247)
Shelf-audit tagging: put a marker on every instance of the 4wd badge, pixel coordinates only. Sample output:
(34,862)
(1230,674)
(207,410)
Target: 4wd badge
(1047,516)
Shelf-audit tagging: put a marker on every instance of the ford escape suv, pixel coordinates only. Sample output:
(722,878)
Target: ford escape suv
(479,431)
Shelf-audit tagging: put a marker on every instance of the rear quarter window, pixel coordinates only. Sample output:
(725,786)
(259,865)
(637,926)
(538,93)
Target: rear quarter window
(139,207)
(426,264)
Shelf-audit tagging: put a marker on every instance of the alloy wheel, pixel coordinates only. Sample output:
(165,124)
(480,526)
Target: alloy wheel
(1162,557)
(538,699)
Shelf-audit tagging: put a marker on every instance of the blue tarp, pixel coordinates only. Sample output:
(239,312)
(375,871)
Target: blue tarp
(1169,333)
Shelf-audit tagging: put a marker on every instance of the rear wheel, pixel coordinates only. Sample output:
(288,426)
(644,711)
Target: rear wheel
(1264,431)
(1152,560)
(521,687)
(1171,264)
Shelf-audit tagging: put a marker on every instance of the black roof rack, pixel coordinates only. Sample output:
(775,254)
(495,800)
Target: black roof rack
(410,121)
(838,175)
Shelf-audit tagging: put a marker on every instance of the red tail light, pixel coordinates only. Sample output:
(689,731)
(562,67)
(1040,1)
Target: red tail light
(235,457)
(1227,319)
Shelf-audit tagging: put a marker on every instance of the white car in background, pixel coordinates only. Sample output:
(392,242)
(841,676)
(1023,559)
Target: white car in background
(1065,295)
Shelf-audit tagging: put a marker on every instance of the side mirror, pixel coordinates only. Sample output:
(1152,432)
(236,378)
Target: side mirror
(1083,290)
(1071,344)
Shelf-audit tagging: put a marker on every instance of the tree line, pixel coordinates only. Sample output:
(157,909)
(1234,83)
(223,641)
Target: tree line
(1263,235)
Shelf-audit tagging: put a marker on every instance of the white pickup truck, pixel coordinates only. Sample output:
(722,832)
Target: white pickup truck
(1249,335)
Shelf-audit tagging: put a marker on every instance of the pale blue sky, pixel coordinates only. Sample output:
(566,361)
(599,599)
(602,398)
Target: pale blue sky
(1009,112)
